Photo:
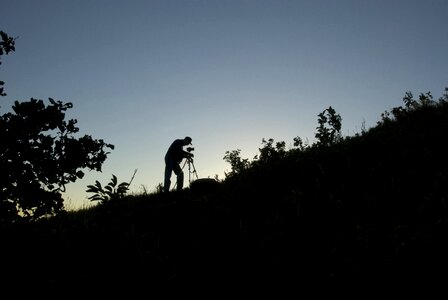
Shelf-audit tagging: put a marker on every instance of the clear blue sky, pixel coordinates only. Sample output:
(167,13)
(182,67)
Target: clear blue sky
(227,73)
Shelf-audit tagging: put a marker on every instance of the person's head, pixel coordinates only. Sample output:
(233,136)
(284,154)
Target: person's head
(187,140)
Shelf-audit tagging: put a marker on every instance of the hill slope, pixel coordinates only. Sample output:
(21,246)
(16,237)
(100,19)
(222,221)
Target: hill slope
(369,210)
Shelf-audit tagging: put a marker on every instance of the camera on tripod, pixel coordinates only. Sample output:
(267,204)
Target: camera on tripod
(189,161)
(190,155)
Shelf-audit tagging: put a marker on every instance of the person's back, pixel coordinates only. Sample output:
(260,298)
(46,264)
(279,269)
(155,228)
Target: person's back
(175,151)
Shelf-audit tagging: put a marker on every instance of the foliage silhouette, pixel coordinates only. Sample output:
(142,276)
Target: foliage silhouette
(328,133)
(268,152)
(329,129)
(411,105)
(237,164)
(7,45)
(39,155)
(111,191)
(299,144)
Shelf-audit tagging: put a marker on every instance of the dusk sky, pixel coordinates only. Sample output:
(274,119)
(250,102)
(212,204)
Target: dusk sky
(227,73)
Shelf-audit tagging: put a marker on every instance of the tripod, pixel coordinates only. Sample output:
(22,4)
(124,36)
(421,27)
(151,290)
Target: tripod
(189,161)
(191,169)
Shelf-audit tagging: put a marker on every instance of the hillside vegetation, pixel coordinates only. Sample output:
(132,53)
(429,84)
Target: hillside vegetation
(365,209)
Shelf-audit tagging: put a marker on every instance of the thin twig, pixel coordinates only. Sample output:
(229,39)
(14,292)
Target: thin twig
(135,171)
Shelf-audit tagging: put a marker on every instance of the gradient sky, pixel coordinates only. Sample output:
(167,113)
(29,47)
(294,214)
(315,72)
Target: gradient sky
(227,73)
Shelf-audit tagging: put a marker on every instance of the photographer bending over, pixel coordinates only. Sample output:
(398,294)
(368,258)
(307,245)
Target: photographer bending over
(173,158)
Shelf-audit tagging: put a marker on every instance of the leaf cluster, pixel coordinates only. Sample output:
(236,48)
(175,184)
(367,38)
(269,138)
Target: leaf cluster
(7,45)
(111,191)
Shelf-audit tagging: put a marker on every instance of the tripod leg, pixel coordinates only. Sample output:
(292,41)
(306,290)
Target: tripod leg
(194,170)
(189,172)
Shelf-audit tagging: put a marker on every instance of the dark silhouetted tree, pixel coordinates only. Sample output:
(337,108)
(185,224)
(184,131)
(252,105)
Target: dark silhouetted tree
(329,129)
(39,155)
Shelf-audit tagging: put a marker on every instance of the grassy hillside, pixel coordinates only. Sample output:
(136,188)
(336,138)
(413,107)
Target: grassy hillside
(370,209)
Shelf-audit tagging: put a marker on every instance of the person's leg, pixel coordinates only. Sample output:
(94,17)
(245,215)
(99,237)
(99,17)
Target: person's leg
(168,172)
(180,176)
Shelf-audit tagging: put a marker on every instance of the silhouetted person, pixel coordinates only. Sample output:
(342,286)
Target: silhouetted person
(173,158)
